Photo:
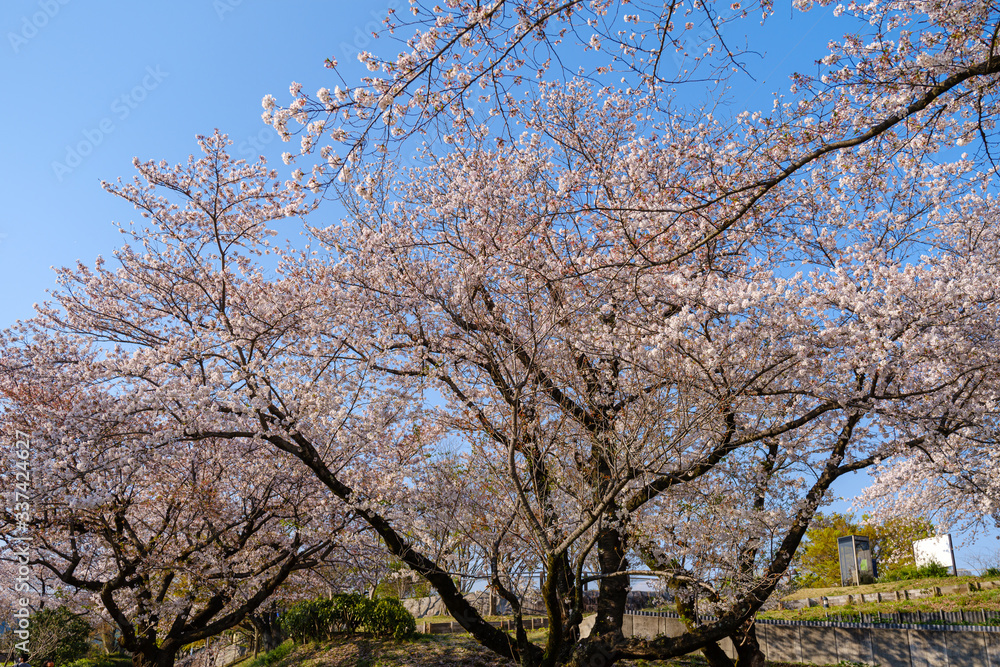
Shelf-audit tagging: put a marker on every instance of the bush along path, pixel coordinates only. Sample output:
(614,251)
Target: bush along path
(320,619)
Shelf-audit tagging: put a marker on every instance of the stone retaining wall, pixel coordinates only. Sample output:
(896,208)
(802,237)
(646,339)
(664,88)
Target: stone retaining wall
(829,643)
(912,594)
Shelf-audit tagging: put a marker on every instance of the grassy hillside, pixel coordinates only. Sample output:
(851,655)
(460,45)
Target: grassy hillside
(885,587)
(985,600)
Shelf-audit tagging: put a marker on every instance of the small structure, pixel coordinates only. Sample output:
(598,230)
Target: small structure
(935,550)
(856,564)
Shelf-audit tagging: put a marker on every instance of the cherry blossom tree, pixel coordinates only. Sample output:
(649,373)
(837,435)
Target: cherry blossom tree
(903,69)
(193,344)
(172,543)
(787,295)
(663,334)
(137,507)
(631,377)
(958,485)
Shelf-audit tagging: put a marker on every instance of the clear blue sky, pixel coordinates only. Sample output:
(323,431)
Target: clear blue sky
(89,84)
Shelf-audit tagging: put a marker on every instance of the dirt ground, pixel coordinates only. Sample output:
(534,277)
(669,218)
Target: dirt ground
(457,650)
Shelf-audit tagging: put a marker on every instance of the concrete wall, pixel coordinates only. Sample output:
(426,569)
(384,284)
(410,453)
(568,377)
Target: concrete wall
(219,654)
(420,607)
(821,644)
(830,644)
(448,627)
(434,606)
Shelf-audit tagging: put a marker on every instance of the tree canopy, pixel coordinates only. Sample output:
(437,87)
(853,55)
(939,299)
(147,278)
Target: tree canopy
(818,562)
(172,539)
(659,334)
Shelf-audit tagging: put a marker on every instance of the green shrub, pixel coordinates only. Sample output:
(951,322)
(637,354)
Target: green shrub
(298,621)
(389,618)
(908,572)
(102,661)
(312,620)
(316,620)
(350,610)
(992,572)
(322,619)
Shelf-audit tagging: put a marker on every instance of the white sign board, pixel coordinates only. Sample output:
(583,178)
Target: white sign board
(935,550)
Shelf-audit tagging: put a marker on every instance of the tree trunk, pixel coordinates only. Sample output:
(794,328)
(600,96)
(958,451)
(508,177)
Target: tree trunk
(152,656)
(715,656)
(591,652)
(267,629)
(687,608)
(613,590)
(747,647)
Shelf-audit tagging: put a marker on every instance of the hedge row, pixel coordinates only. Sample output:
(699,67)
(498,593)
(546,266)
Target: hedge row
(320,618)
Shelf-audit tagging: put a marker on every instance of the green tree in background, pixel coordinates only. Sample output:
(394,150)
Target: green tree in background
(894,538)
(58,635)
(819,563)
(400,582)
